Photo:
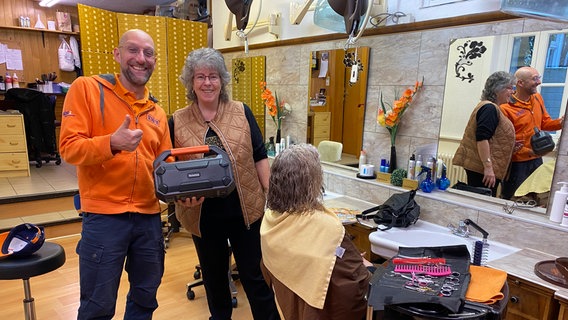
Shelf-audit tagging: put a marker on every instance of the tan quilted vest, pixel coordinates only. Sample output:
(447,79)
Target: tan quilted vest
(501,145)
(233,130)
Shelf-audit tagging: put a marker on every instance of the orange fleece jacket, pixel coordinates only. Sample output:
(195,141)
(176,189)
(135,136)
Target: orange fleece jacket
(112,183)
(525,116)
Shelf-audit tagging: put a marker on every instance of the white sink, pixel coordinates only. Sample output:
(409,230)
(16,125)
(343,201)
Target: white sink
(328,195)
(426,234)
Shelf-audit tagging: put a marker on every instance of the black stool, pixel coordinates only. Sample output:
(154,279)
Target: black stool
(48,258)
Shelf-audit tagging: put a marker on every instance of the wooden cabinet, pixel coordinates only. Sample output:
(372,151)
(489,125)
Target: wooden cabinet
(320,127)
(359,234)
(528,300)
(562,298)
(13,149)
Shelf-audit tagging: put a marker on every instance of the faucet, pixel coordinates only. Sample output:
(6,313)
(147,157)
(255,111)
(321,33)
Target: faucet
(461,230)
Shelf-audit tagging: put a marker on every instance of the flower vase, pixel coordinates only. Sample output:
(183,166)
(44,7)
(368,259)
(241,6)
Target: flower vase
(278,135)
(392,163)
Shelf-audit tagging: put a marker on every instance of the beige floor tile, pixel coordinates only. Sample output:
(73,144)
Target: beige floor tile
(44,218)
(10,223)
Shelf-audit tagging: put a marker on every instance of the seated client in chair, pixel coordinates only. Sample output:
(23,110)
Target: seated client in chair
(315,270)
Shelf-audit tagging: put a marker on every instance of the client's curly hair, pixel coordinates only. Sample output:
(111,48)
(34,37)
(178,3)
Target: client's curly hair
(296,180)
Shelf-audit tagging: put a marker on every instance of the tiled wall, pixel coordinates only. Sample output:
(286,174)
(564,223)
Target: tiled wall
(397,61)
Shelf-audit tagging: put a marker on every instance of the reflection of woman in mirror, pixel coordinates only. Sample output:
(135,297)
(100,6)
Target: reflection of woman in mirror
(526,110)
(489,137)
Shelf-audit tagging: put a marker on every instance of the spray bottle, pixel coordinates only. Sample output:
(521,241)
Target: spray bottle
(443,182)
(559,202)
(427,185)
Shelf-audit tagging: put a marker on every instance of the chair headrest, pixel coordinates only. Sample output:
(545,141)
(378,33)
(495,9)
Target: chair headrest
(22,240)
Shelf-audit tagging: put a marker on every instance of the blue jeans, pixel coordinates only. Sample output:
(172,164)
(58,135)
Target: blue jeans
(107,241)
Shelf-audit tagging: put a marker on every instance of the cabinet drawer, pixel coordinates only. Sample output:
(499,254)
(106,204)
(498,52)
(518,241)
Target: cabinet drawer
(11,124)
(530,301)
(14,161)
(12,143)
(321,132)
(322,119)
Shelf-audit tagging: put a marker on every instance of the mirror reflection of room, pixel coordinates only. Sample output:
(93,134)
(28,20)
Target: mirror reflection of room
(471,60)
(337,95)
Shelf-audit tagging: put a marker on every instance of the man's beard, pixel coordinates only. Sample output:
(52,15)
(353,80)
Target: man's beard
(134,79)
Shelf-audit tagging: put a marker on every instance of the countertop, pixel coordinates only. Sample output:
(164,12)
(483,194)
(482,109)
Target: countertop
(520,264)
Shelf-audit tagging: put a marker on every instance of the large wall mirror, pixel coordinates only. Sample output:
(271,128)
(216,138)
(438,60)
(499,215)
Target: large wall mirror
(337,95)
(472,60)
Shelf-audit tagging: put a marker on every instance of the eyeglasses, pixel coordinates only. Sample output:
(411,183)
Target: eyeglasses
(213,78)
(148,52)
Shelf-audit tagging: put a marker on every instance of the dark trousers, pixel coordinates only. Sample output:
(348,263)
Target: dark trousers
(518,174)
(107,241)
(217,228)
(475,179)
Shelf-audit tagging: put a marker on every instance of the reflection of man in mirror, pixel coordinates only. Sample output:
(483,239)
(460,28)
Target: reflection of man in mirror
(526,111)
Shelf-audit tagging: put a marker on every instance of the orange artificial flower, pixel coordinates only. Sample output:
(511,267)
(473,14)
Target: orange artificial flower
(390,117)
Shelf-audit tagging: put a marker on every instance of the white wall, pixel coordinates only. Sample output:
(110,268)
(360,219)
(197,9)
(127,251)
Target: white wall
(307,28)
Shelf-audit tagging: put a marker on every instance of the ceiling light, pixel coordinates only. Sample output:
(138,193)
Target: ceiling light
(48,3)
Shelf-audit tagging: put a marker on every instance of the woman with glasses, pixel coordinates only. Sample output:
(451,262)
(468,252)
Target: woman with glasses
(212,118)
(489,137)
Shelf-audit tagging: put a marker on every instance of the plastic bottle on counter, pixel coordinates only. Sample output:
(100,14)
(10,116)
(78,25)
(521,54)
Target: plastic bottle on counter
(362,158)
(15,82)
(8,81)
(411,167)
(565,216)
(2,84)
(558,203)
(418,165)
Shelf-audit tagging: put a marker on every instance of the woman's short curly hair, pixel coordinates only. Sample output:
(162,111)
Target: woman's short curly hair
(496,82)
(204,58)
(296,180)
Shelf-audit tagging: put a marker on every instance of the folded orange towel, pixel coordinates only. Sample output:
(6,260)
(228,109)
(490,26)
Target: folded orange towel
(485,284)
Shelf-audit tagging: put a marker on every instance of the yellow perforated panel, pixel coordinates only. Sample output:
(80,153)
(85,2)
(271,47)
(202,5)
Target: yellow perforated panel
(247,73)
(98,30)
(173,40)
(183,37)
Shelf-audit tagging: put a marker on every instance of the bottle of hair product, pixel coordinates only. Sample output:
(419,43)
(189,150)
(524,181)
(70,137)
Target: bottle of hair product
(15,82)
(427,185)
(418,164)
(2,84)
(565,216)
(362,158)
(8,81)
(558,203)
(411,167)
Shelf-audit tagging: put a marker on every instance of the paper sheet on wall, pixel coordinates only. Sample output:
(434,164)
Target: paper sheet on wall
(14,59)
(3,48)
(323,68)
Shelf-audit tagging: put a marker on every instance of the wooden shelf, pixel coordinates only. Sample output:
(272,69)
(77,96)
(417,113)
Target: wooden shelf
(38,30)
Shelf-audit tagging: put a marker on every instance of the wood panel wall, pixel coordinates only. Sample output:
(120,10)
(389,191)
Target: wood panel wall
(39,49)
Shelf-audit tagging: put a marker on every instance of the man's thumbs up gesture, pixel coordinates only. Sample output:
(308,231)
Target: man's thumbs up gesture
(124,138)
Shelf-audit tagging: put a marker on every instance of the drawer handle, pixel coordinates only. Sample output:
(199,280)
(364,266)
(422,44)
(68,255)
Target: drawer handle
(11,125)
(14,143)
(15,161)
(515,299)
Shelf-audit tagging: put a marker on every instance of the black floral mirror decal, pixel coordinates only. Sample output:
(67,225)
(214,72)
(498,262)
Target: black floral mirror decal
(469,51)
(238,68)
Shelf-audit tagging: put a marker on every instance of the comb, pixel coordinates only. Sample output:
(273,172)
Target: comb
(435,270)
(421,260)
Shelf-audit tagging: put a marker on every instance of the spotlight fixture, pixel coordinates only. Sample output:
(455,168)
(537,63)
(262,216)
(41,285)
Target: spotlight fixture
(48,3)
